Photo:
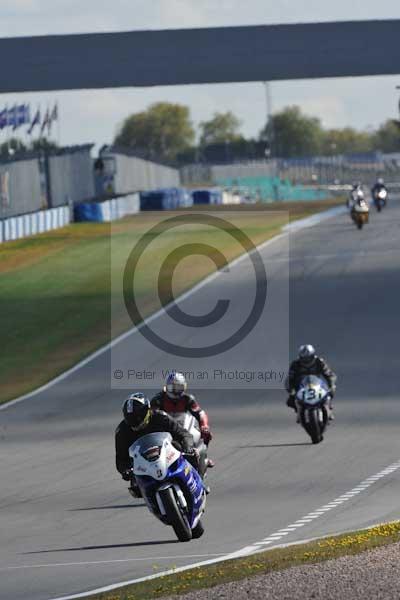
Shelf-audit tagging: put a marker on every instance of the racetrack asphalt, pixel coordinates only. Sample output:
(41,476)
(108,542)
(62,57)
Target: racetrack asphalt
(67,523)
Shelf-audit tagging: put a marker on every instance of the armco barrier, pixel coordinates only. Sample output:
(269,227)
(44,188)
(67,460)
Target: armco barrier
(15,228)
(109,210)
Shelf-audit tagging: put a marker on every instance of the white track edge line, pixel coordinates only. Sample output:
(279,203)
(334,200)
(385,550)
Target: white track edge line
(103,562)
(222,559)
(246,551)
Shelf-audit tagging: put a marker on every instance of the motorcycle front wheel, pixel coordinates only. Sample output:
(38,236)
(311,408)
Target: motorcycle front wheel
(313,427)
(198,530)
(174,515)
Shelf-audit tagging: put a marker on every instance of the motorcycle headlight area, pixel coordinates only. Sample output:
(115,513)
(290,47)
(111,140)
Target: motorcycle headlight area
(152,454)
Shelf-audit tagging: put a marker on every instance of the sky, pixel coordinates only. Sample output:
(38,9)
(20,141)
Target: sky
(94,116)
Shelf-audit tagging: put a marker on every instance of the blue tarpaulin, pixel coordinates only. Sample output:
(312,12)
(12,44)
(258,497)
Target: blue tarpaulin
(88,211)
(207,196)
(165,199)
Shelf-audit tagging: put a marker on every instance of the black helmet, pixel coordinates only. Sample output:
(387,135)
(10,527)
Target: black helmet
(307,355)
(137,411)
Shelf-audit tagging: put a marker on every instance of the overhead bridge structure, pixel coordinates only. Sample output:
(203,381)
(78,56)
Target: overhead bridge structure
(193,56)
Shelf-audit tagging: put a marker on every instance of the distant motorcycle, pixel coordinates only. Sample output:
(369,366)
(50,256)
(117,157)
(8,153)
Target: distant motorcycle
(380,199)
(171,487)
(312,402)
(360,211)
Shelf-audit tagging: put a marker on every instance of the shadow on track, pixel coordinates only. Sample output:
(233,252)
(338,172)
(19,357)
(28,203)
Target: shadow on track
(107,507)
(275,445)
(105,547)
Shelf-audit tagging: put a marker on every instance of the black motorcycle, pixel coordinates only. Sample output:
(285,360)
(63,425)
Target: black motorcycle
(312,402)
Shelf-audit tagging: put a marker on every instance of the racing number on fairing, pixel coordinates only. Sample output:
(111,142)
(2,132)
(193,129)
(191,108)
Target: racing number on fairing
(309,394)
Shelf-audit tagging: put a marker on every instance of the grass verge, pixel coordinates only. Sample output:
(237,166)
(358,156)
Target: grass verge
(56,294)
(258,564)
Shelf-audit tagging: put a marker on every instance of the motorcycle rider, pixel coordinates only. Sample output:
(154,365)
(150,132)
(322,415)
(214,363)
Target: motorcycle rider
(308,363)
(139,420)
(379,185)
(174,398)
(356,194)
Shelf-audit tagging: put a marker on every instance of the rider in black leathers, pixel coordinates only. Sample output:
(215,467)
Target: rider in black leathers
(308,363)
(139,420)
(379,185)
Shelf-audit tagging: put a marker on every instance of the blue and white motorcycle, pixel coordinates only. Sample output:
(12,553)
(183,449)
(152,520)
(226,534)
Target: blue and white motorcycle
(171,487)
(313,409)
(380,198)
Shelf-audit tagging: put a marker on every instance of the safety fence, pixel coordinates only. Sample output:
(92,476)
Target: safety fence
(120,171)
(41,180)
(15,228)
(270,189)
(308,171)
(45,179)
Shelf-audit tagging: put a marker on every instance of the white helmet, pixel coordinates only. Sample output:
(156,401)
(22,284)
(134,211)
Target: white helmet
(307,355)
(175,385)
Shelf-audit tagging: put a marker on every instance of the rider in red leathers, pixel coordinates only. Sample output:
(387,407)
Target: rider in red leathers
(174,398)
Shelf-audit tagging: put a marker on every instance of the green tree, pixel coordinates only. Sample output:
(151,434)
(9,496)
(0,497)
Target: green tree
(387,137)
(291,133)
(43,144)
(346,141)
(161,131)
(221,129)
(12,147)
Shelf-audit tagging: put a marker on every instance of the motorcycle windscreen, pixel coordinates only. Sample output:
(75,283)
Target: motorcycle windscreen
(314,380)
(149,442)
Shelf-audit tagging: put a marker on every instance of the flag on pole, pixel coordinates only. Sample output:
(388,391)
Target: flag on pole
(45,122)
(36,121)
(3,118)
(54,112)
(53,116)
(12,117)
(23,114)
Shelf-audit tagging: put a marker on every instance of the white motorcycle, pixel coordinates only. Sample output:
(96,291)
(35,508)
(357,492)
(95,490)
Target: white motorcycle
(312,402)
(171,487)
(191,424)
(359,210)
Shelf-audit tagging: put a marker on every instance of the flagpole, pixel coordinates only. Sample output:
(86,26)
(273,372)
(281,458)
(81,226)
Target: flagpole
(7,131)
(58,123)
(27,123)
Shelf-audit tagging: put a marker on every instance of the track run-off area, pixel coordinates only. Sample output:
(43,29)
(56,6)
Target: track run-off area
(68,524)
